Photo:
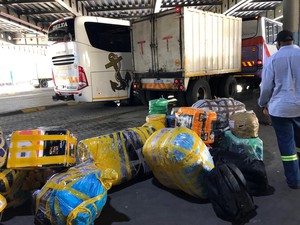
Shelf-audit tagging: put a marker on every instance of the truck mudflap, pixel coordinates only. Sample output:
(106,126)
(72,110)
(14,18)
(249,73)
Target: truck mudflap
(61,97)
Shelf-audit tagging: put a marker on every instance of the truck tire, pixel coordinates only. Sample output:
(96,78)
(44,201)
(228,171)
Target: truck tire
(198,89)
(227,87)
(43,83)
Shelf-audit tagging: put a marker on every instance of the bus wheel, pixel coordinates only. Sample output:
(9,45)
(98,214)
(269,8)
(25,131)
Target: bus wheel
(198,89)
(227,87)
(43,83)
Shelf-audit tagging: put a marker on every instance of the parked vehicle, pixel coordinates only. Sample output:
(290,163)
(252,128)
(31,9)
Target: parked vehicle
(91,59)
(258,36)
(192,54)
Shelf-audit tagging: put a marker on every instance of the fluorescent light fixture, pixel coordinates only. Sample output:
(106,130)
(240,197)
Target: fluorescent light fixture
(236,7)
(157,6)
(278,18)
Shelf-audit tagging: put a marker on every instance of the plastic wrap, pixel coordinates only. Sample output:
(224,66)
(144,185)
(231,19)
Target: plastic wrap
(199,120)
(253,147)
(121,151)
(224,107)
(158,106)
(38,148)
(157,117)
(179,159)
(74,197)
(3,149)
(11,182)
(244,124)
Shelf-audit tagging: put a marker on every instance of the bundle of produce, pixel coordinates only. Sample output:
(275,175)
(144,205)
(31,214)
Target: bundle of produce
(42,148)
(201,121)
(158,106)
(224,107)
(179,159)
(253,147)
(244,124)
(121,151)
(11,182)
(73,197)
(3,149)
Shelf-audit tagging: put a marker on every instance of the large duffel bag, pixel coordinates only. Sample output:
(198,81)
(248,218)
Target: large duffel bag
(224,108)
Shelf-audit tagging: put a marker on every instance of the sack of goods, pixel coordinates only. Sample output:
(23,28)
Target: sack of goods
(121,151)
(224,108)
(3,149)
(73,197)
(11,183)
(42,148)
(244,124)
(201,121)
(179,159)
(227,191)
(158,106)
(253,147)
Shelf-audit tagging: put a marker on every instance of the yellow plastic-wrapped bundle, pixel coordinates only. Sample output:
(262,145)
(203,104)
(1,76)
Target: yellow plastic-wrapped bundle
(3,205)
(73,197)
(179,159)
(157,117)
(11,182)
(3,149)
(121,151)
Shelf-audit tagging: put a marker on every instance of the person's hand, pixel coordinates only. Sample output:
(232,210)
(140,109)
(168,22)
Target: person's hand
(265,111)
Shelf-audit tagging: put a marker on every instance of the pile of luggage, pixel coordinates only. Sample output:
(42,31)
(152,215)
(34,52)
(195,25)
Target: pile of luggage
(209,151)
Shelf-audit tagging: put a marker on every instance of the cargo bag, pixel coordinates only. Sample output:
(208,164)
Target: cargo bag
(253,170)
(227,191)
(224,107)
(200,121)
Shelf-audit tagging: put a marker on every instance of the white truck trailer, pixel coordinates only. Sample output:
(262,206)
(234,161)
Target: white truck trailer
(188,53)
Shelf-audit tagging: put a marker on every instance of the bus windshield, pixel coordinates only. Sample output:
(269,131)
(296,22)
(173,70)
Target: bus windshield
(249,28)
(62,31)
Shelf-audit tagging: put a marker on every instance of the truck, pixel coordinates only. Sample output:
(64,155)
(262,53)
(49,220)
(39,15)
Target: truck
(186,53)
(43,73)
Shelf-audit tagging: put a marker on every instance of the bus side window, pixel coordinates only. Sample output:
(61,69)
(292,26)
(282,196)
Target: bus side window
(109,37)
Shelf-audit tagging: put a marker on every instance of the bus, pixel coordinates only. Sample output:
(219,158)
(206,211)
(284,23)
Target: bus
(91,59)
(258,37)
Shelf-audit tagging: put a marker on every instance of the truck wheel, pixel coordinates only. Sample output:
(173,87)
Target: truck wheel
(43,83)
(197,90)
(227,87)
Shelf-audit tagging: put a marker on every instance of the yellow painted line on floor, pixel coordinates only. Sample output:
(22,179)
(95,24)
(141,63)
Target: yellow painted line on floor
(34,109)
(75,103)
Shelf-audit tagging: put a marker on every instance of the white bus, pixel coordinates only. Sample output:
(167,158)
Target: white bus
(91,59)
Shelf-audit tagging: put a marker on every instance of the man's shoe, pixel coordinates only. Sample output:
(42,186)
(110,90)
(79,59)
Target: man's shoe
(294,186)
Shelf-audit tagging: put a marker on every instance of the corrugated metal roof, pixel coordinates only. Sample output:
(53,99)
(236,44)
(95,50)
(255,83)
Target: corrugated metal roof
(27,16)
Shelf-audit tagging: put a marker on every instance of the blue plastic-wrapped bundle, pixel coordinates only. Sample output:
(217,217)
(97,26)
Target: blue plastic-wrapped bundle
(73,197)
(179,159)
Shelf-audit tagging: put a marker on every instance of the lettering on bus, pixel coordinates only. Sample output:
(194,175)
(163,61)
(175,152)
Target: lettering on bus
(59,25)
(115,62)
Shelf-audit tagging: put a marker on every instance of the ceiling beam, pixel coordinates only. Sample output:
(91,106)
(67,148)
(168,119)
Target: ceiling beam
(29,12)
(5,2)
(191,4)
(71,6)
(117,9)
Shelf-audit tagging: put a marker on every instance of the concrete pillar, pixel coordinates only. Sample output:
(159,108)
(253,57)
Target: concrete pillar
(291,18)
